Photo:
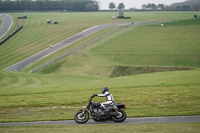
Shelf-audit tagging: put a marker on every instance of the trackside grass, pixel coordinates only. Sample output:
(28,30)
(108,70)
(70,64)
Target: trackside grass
(146,128)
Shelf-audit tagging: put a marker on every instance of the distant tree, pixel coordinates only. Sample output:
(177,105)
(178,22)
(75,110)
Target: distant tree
(161,6)
(95,5)
(185,7)
(91,7)
(121,6)
(112,6)
(196,7)
(152,6)
(144,6)
(178,8)
(149,6)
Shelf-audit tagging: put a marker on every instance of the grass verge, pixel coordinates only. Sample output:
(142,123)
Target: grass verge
(145,128)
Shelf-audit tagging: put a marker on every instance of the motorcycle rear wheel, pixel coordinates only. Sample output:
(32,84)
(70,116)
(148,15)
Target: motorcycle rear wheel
(120,117)
(81,117)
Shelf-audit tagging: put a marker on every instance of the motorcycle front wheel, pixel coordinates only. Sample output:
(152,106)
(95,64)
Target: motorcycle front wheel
(81,117)
(120,117)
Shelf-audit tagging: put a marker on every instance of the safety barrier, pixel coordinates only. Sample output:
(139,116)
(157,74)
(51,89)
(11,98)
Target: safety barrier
(10,35)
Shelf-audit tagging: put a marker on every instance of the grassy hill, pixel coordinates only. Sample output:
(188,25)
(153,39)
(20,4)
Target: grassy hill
(37,35)
(144,48)
(135,56)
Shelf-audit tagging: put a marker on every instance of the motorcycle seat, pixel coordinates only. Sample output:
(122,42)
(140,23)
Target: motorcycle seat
(96,104)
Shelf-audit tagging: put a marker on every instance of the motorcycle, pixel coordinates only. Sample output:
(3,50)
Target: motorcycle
(114,112)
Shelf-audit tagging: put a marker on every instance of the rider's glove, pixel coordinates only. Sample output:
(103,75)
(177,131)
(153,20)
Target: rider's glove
(94,95)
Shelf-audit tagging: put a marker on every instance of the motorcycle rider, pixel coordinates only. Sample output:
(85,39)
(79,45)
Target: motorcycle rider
(108,95)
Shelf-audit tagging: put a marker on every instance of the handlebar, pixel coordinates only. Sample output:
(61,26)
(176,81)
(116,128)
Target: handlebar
(93,96)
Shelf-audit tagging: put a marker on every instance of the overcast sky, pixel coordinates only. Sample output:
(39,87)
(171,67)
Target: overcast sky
(104,4)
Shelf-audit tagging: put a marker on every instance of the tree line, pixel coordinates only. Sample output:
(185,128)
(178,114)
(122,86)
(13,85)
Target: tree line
(187,5)
(42,5)
(152,6)
(182,6)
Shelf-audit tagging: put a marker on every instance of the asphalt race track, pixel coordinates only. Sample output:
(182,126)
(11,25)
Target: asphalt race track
(6,24)
(142,120)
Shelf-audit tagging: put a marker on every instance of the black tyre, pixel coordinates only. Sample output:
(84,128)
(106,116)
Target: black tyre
(81,117)
(120,117)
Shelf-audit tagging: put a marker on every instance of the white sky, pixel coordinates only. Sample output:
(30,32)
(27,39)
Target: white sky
(104,4)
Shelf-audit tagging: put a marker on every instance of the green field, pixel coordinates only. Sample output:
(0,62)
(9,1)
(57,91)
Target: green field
(143,66)
(175,45)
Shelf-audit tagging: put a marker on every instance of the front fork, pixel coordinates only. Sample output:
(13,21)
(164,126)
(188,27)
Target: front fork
(86,110)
